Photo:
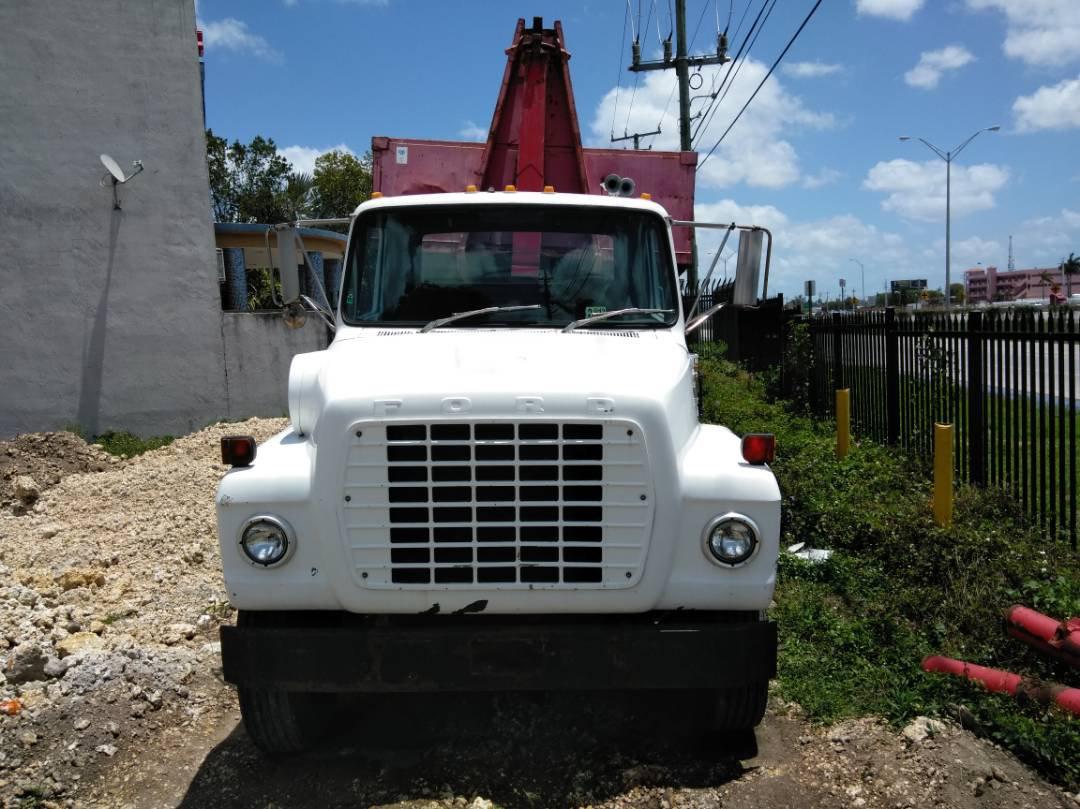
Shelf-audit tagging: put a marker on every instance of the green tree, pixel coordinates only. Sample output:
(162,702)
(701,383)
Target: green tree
(298,195)
(342,181)
(1069,267)
(959,294)
(247,180)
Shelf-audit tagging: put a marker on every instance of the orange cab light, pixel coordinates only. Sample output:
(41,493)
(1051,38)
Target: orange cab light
(645,195)
(376,194)
(237,450)
(470,189)
(510,188)
(759,448)
(549,189)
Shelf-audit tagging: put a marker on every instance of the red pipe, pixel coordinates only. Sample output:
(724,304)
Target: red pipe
(1005,682)
(1058,638)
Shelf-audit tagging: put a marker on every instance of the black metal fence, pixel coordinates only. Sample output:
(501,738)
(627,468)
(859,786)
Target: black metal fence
(1006,380)
(753,336)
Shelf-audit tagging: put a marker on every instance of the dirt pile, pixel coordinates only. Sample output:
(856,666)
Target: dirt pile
(110,598)
(32,463)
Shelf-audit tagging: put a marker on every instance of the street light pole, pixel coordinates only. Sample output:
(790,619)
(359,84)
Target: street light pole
(862,277)
(948,158)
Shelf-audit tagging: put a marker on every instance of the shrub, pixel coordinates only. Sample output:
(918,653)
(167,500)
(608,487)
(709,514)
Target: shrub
(854,629)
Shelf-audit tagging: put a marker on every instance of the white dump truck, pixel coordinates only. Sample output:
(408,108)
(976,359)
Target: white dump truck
(495,477)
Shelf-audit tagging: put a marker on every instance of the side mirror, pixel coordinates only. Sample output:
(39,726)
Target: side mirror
(287,263)
(748,268)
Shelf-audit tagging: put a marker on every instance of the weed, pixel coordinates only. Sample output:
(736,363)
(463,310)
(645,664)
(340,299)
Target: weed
(75,429)
(128,445)
(854,629)
(113,617)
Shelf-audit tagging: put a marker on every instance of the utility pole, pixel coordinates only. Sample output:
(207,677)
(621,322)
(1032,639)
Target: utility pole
(636,137)
(682,64)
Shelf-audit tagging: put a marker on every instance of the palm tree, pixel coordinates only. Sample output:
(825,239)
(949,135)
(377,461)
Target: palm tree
(1069,266)
(297,194)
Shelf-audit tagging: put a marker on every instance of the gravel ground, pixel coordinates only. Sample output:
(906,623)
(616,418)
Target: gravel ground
(110,690)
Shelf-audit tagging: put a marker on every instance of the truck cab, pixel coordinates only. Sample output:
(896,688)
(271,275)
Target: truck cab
(495,477)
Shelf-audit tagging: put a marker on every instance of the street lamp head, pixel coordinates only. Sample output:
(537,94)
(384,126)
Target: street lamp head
(905,137)
(993,128)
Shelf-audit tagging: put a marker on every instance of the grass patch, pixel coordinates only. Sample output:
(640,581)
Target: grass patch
(854,630)
(128,445)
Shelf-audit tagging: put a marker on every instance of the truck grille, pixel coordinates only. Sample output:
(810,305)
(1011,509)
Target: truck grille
(497,504)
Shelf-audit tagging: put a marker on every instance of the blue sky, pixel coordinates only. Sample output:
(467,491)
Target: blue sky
(816,156)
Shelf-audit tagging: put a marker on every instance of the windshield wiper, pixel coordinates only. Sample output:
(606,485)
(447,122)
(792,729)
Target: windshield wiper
(633,310)
(442,321)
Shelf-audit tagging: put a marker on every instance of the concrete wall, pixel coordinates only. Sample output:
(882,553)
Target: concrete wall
(111,319)
(258,351)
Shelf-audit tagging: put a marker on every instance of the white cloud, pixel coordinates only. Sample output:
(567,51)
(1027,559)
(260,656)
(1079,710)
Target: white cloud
(303,157)
(971,251)
(819,250)
(233,35)
(755,152)
(932,64)
(917,190)
(1039,32)
(810,70)
(893,9)
(1047,239)
(1053,107)
(473,131)
(824,177)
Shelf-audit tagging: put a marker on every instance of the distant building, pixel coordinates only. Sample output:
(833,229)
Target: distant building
(990,285)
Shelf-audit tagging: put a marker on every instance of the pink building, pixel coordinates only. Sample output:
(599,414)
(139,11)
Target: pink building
(989,285)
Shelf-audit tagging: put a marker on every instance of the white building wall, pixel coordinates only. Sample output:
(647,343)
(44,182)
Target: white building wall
(111,319)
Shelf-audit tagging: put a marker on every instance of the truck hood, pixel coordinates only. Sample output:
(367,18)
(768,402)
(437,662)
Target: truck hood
(489,373)
(450,362)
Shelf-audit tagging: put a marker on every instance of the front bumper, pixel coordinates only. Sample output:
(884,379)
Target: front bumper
(340,652)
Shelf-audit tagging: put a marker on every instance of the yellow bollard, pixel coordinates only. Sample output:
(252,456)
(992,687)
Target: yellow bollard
(843,422)
(943,474)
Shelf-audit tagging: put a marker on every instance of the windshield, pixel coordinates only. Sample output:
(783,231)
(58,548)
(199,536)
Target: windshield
(410,266)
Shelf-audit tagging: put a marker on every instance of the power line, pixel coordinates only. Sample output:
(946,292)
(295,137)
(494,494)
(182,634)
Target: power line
(736,66)
(746,57)
(742,19)
(704,8)
(779,58)
(618,76)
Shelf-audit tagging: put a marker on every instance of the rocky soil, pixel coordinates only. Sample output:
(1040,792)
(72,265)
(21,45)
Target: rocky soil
(110,598)
(111,696)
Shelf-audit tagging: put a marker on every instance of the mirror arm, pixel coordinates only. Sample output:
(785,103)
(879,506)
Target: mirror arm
(696,323)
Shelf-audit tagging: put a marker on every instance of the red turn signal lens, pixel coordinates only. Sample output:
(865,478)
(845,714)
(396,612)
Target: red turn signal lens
(237,450)
(759,448)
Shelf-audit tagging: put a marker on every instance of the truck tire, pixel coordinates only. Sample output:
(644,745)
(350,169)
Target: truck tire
(281,721)
(740,707)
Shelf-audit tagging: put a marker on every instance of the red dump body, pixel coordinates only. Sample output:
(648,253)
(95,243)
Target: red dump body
(534,140)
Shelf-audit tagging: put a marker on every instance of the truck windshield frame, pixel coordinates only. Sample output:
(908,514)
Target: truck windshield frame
(410,265)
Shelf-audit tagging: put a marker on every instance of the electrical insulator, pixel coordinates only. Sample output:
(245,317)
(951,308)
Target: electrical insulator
(721,46)
(667,49)
(636,49)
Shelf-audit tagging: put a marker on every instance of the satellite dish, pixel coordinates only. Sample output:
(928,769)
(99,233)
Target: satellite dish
(114,168)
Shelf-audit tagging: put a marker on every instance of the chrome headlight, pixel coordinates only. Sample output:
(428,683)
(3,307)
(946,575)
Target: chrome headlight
(267,540)
(731,540)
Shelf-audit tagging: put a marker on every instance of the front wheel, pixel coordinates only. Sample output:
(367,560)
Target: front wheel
(283,721)
(739,707)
